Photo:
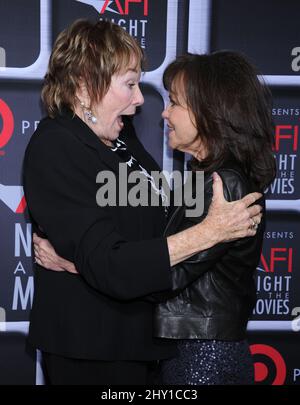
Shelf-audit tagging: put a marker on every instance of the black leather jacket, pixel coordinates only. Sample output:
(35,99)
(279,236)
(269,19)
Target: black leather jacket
(213,292)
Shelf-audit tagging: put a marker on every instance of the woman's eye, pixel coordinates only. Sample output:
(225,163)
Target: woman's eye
(131,85)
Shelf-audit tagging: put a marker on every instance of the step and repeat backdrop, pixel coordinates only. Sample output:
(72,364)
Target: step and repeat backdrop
(268,32)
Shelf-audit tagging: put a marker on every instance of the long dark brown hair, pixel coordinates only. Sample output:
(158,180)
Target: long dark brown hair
(231,110)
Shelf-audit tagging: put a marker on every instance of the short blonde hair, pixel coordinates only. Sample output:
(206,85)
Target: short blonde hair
(88,52)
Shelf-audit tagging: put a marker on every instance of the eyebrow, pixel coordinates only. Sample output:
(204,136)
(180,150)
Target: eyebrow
(131,70)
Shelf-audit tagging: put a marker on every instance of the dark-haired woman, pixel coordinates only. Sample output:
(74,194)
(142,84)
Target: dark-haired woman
(219,113)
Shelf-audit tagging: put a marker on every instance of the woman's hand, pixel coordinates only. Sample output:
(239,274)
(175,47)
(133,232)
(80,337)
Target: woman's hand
(46,256)
(225,221)
(233,220)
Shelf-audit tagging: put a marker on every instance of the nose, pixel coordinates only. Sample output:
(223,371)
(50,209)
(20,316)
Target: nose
(138,97)
(165,113)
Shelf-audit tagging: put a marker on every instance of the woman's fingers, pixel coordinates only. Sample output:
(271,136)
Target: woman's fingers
(36,239)
(257,218)
(245,232)
(43,246)
(218,195)
(45,254)
(254,210)
(236,219)
(248,227)
(36,252)
(250,199)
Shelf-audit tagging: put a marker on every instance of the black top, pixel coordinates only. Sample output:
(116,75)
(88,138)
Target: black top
(119,251)
(213,292)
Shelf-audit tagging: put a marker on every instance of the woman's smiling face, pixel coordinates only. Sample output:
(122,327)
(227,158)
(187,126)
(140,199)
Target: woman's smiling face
(183,134)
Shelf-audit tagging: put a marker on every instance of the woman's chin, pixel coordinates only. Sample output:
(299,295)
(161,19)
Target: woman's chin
(171,144)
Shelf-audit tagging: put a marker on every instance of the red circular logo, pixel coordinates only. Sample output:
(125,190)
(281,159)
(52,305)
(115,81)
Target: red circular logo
(8,123)
(261,369)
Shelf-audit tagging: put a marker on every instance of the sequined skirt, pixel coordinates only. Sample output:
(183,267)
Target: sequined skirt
(209,362)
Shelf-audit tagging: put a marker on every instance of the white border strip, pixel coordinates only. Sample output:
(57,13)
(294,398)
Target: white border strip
(199,26)
(283,205)
(18,327)
(272,326)
(154,78)
(39,376)
(282,80)
(198,34)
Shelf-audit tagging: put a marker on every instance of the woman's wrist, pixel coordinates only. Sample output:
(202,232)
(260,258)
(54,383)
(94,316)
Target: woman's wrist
(211,232)
(185,244)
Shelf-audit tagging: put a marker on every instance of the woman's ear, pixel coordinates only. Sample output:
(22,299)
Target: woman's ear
(82,94)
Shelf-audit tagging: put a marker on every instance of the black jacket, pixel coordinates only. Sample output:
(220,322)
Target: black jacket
(119,251)
(213,292)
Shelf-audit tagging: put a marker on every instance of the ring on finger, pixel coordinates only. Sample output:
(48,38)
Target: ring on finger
(254,224)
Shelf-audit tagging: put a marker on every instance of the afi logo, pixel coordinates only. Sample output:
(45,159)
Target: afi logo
(7,124)
(287,134)
(104,5)
(13,197)
(267,356)
(278,255)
